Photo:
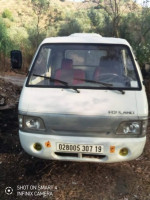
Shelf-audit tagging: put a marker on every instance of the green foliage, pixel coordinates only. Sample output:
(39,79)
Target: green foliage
(145,25)
(7,14)
(73,26)
(129,29)
(50,18)
(143,53)
(22,36)
(3,35)
(32,38)
(6,45)
(138,34)
(52,31)
(40,6)
(42,3)
(100,22)
(94,16)
(5,42)
(77,23)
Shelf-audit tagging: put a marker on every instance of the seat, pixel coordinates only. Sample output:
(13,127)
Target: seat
(108,65)
(78,74)
(67,74)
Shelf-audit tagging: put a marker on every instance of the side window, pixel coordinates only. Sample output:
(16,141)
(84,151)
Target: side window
(42,63)
(42,67)
(128,65)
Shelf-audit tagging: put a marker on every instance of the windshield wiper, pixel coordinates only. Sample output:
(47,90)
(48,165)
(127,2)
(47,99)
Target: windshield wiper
(107,85)
(53,80)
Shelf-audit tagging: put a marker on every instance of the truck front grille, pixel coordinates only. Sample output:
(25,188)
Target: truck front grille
(81,155)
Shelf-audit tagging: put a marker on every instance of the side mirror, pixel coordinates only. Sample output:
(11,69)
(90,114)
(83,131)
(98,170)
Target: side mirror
(16,59)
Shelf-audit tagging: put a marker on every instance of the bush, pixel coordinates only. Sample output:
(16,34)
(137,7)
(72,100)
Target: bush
(7,14)
(5,43)
(142,53)
(77,23)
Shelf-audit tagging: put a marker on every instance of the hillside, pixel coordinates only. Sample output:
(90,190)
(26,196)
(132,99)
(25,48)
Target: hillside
(22,10)
(20,13)
(23,25)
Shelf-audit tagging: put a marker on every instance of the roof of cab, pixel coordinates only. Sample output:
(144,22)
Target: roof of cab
(92,38)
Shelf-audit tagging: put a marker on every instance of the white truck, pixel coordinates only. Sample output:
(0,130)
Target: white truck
(83,100)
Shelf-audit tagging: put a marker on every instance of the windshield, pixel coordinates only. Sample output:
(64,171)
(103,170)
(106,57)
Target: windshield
(84,66)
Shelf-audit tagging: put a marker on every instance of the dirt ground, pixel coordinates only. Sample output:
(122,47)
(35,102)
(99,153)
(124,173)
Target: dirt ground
(36,179)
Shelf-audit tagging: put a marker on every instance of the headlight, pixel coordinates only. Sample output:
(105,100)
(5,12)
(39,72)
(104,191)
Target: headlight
(31,123)
(133,127)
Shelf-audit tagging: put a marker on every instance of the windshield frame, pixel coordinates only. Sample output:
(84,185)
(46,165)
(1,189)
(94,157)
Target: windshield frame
(100,87)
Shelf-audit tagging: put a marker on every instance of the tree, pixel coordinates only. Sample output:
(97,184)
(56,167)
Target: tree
(73,26)
(77,23)
(5,43)
(39,7)
(96,19)
(3,35)
(115,10)
(143,47)
(144,24)
(55,17)
(135,28)
(32,31)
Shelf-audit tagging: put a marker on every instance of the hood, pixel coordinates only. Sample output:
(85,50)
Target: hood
(87,102)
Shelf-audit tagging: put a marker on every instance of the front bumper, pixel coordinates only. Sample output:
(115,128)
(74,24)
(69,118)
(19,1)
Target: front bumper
(134,145)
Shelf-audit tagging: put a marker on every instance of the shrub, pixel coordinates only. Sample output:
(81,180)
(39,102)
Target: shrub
(7,14)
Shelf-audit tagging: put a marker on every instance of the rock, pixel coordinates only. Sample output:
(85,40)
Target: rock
(2,101)
(74,183)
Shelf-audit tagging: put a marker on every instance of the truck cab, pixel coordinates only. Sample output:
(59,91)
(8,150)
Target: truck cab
(83,100)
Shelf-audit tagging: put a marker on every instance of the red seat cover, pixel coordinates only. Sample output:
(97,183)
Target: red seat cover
(67,74)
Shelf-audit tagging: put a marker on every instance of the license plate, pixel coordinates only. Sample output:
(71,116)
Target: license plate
(81,148)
